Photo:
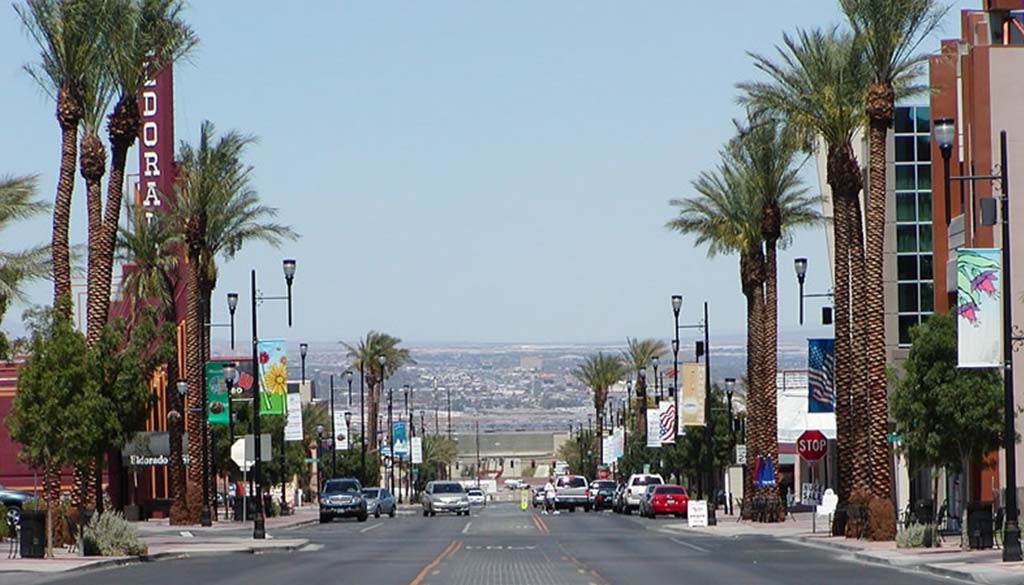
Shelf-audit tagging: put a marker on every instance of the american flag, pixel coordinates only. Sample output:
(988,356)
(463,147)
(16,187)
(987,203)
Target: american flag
(821,372)
(667,415)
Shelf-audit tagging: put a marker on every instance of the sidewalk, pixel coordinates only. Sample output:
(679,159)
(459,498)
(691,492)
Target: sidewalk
(983,566)
(171,542)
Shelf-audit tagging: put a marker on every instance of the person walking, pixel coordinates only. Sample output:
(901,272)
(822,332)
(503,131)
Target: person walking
(549,497)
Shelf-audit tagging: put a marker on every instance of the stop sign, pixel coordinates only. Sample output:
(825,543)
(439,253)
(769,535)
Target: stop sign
(812,445)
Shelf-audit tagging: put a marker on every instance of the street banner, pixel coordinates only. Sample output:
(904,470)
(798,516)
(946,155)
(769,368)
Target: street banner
(979,311)
(417,450)
(341,441)
(273,371)
(821,375)
(620,442)
(608,449)
(293,423)
(653,430)
(691,401)
(398,430)
(218,408)
(697,514)
(667,421)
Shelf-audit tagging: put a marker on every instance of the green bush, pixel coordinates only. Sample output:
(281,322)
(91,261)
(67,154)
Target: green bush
(917,536)
(110,535)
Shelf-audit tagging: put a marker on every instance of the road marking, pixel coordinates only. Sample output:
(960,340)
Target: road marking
(430,566)
(311,548)
(369,528)
(689,545)
(465,529)
(541,526)
(454,550)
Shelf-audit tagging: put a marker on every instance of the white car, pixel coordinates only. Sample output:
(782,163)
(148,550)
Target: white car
(477,497)
(635,487)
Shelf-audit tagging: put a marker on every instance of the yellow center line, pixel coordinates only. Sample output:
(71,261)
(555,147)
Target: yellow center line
(423,572)
(452,552)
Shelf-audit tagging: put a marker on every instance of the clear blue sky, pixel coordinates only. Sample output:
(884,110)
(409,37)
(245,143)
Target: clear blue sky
(464,170)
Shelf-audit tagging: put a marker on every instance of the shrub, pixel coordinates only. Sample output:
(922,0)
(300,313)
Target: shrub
(881,519)
(110,535)
(916,535)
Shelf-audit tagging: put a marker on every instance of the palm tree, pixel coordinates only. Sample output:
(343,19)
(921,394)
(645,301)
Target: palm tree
(365,356)
(69,49)
(890,33)
(16,203)
(637,357)
(141,37)
(218,211)
(152,247)
(817,84)
(599,373)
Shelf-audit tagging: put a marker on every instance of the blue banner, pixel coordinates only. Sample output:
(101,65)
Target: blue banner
(398,431)
(821,375)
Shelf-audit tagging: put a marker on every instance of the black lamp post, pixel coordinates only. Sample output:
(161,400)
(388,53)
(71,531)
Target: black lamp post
(334,433)
(944,132)
(641,389)
(625,417)
(303,350)
(362,426)
(288,265)
(381,360)
(232,305)
(319,458)
(348,433)
(730,387)
(800,265)
(704,348)
(657,389)
(348,378)
(229,370)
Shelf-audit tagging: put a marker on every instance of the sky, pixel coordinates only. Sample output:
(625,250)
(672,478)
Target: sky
(464,171)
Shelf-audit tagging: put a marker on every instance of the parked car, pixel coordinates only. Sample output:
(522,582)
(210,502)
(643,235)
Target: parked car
(379,501)
(537,496)
(619,498)
(666,499)
(14,501)
(445,496)
(635,486)
(476,497)
(645,499)
(342,498)
(572,491)
(602,492)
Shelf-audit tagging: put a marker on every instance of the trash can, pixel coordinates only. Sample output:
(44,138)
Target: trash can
(924,511)
(979,525)
(33,534)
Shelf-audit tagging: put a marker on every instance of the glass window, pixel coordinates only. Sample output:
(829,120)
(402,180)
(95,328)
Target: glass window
(908,294)
(906,322)
(342,486)
(906,267)
(904,121)
(923,116)
(904,177)
(927,297)
(448,488)
(924,177)
(924,207)
(906,238)
(926,267)
(905,204)
(926,238)
(924,148)
(905,149)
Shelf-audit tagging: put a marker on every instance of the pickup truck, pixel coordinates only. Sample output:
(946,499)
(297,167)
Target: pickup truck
(572,491)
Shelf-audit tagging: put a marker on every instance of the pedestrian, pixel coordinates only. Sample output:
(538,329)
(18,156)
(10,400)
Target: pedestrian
(549,496)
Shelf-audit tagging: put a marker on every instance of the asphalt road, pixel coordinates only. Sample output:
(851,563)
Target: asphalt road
(500,545)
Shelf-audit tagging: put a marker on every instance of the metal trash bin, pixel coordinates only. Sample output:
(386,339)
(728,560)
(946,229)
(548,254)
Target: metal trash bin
(979,525)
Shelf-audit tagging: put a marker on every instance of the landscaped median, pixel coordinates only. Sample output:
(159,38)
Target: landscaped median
(163,542)
(978,566)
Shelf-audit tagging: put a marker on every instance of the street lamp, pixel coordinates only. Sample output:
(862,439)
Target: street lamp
(704,348)
(303,350)
(319,458)
(677,306)
(641,400)
(944,137)
(362,425)
(730,387)
(334,432)
(259,522)
(945,130)
(654,364)
(348,378)
(229,370)
(800,266)
(232,305)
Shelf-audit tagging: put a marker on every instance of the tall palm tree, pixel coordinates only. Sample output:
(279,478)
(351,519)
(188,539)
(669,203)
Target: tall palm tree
(817,84)
(218,211)
(890,33)
(16,203)
(599,373)
(365,356)
(69,52)
(151,245)
(637,357)
(141,38)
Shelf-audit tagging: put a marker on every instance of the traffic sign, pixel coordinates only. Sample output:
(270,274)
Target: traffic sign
(741,454)
(812,445)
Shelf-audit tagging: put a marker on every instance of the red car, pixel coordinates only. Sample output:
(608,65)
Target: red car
(668,499)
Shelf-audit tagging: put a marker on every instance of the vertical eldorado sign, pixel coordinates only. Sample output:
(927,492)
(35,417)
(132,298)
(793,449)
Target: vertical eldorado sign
(979,308)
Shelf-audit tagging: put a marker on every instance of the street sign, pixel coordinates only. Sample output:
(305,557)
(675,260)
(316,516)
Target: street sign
(741,454)
(697,514)
(894,437)
(243,451)
(812,445)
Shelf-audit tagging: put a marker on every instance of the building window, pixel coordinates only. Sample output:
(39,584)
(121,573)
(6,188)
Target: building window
(913,186)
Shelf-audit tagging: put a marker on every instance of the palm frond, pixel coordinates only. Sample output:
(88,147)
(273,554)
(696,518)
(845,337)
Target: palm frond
(890,33)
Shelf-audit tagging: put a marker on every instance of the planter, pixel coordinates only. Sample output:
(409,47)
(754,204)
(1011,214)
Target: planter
(33,534)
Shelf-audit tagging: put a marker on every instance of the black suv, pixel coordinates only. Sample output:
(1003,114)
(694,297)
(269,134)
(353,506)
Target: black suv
(342,498)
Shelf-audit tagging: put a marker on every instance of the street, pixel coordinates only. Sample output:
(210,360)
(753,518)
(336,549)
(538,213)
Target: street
(501,545)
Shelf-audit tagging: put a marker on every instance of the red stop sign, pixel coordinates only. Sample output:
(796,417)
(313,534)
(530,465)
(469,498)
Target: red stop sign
(812,445)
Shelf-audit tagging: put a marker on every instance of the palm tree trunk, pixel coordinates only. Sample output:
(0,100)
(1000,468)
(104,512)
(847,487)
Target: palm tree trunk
(769,365)
(641,407)
(372,409)
(845,441)
(599,425)
(176,466)
(69,114)
(194,375)
(880,114)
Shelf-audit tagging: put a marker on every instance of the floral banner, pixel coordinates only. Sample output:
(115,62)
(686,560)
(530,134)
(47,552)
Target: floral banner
(273,376)
(979,308)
